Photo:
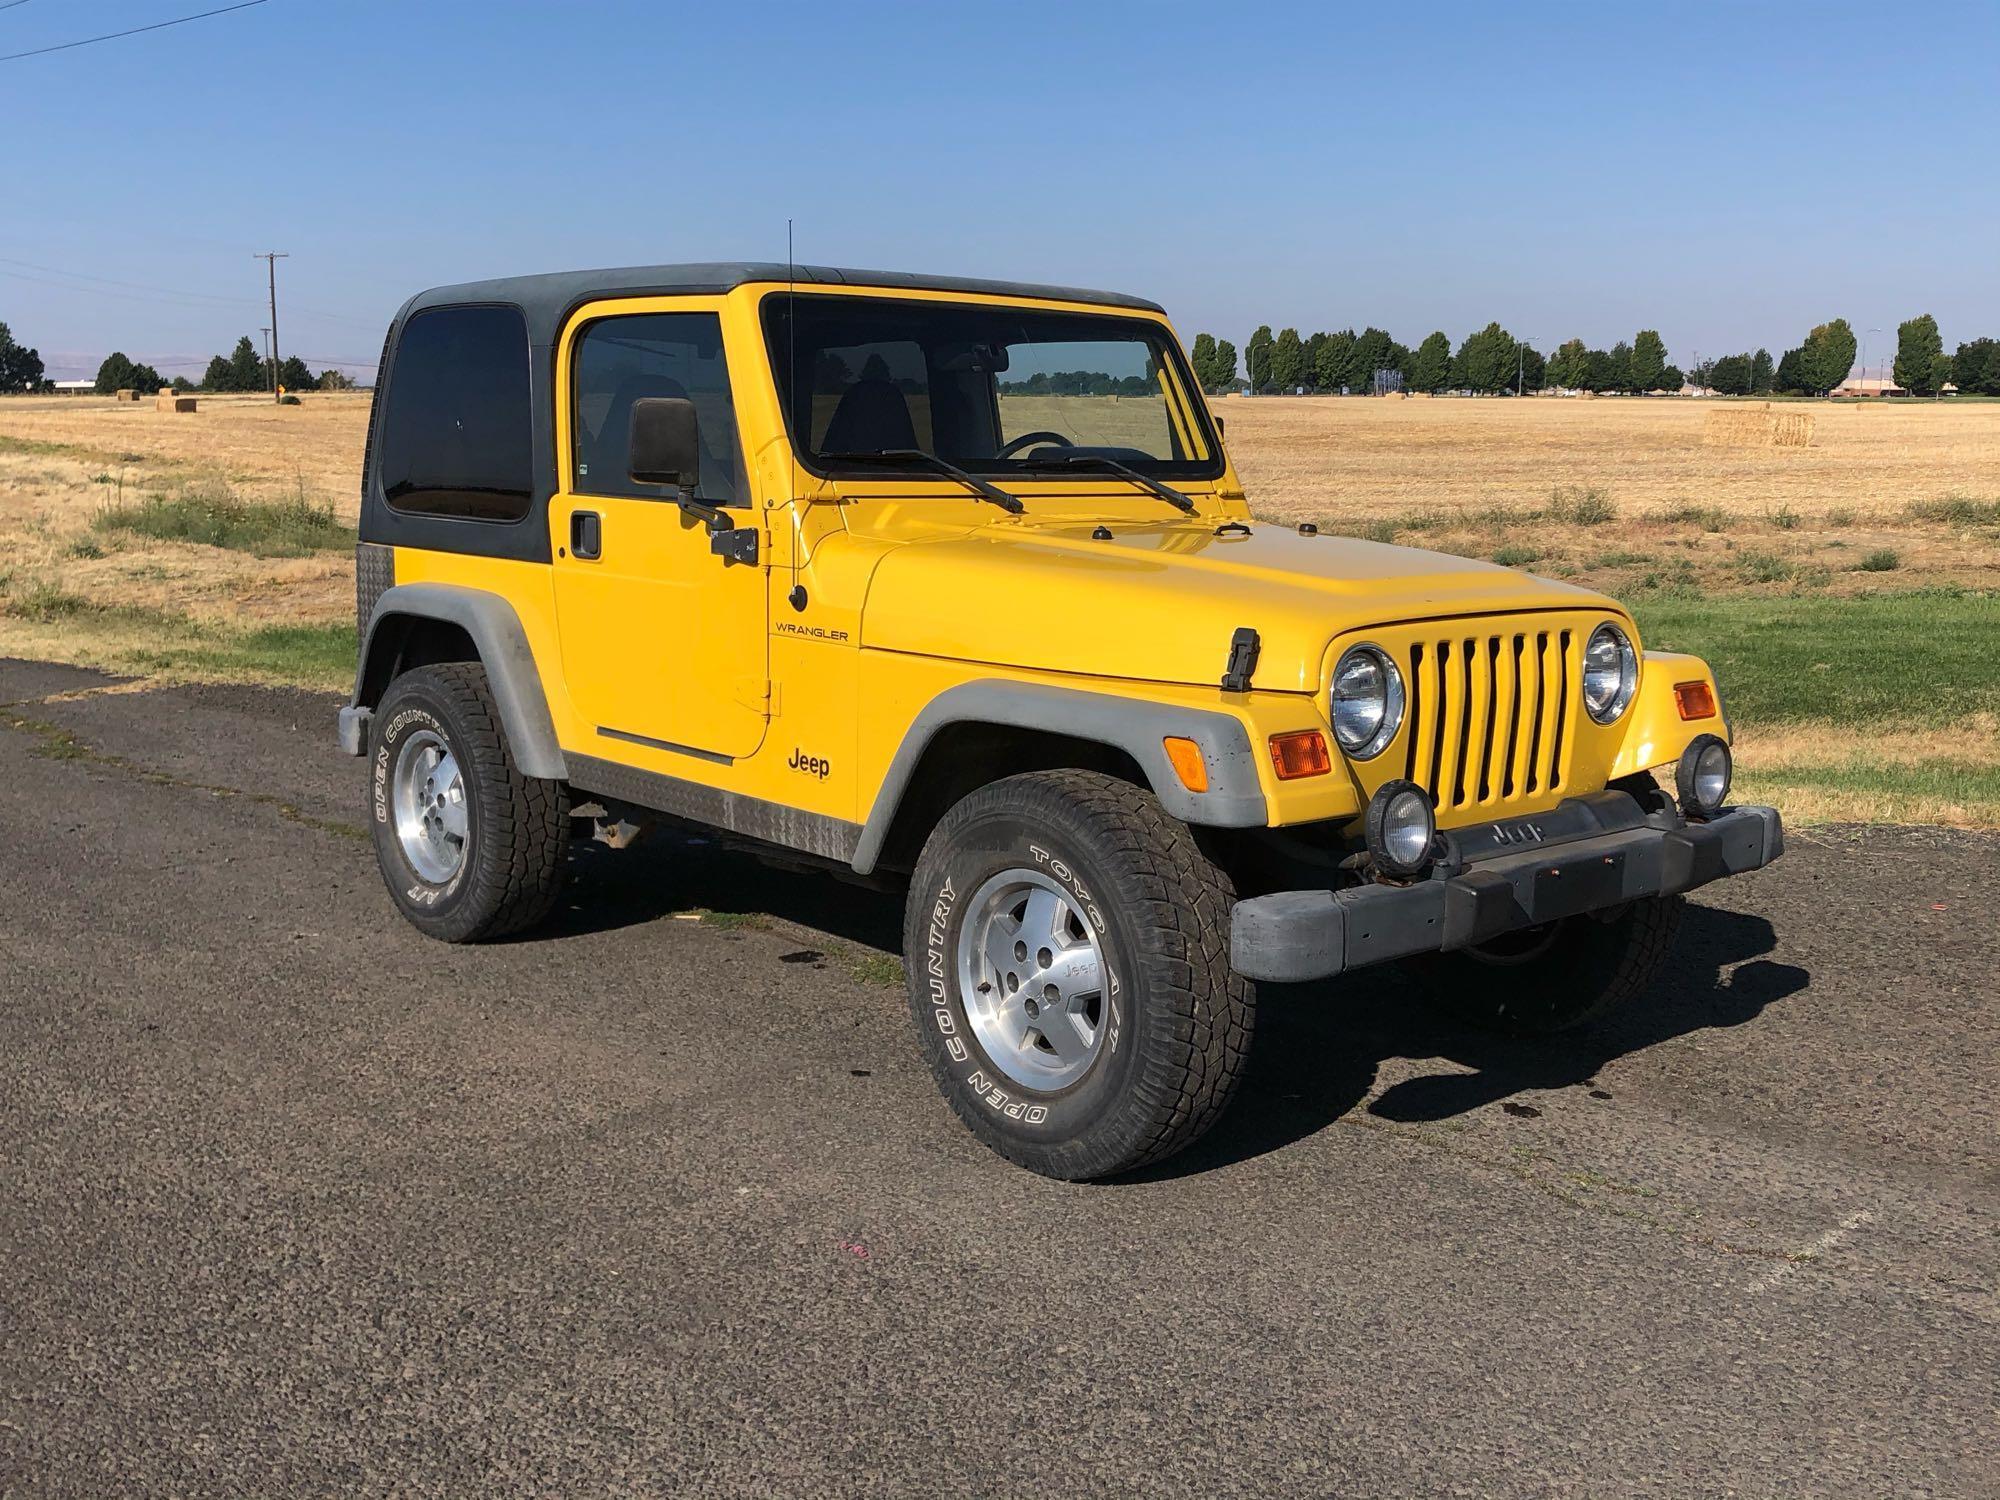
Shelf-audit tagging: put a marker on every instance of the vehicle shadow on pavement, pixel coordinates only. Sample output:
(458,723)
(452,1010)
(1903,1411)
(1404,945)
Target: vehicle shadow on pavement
(1318,1047)
(668,872)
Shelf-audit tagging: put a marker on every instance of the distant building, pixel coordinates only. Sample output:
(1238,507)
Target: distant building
(74,387)
(1868,385)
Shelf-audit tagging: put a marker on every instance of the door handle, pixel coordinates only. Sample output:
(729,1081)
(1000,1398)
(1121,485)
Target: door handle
(586,535)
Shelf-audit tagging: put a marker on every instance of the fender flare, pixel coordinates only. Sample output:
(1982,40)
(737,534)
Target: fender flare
(1655,733)
(503,650)
(1234,799)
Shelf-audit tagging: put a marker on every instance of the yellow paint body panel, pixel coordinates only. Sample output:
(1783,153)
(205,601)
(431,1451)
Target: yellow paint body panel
(707,673)
(1655,732)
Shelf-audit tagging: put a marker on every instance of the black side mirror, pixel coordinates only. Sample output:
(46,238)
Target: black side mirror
(665,443)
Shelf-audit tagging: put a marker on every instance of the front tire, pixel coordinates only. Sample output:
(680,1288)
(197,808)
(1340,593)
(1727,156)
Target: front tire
(469,847)
(1558,977)
(1068,951)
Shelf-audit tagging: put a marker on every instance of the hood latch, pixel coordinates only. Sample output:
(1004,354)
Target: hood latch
(1243,649)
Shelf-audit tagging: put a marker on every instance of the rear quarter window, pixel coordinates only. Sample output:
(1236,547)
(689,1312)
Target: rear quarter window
(456,420)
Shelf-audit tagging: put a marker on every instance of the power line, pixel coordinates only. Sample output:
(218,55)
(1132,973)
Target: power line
(182,296)
(12,3)
(137,286)
(112,36)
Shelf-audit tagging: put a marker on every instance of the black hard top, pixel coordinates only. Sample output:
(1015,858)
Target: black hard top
(547,299)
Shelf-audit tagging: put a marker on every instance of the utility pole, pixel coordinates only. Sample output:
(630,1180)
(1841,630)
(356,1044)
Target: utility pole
(271,259)
(267,345)
(1520,365)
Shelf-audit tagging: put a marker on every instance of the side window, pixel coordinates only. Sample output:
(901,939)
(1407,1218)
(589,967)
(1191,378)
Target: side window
(455,431)
(619,360)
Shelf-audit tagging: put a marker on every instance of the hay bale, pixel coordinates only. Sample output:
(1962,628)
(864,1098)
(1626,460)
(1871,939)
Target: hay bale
(126,393)
(1791,429)
(1756,427)
(167,400)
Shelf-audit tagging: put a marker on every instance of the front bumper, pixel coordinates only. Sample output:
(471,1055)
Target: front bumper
(1589,854)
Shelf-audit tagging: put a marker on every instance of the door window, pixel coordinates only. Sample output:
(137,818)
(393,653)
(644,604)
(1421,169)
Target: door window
(617,361)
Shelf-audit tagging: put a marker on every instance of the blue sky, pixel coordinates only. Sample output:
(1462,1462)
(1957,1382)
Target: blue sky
(1727,174)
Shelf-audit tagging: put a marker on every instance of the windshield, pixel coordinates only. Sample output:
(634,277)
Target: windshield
(993,390)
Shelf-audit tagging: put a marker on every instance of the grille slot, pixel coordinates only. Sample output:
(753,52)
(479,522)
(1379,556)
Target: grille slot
(1489,716)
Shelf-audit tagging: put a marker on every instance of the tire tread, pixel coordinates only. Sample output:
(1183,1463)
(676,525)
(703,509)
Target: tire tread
(1182,902)
(524,825)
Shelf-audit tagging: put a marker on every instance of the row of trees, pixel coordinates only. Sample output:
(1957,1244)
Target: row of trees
(1736,374)
(1923,368)
(20,368)
(1079,383)
(1489,361)
(21,371)
(1975,369)
(243,370)
(1492,360)
(1623,369)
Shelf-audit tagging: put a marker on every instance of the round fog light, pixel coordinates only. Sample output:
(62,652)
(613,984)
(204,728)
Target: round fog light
(1401,828)
(1702,777)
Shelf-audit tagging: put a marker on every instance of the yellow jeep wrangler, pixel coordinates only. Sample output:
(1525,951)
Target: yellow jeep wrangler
(951,584)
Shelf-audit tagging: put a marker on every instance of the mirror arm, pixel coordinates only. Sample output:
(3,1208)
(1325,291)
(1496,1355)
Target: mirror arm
(729,542)
(713,518)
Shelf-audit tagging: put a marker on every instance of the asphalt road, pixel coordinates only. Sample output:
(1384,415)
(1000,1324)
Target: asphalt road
(294,1202)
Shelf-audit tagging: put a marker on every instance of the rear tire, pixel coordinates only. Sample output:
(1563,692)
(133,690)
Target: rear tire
(1551,979)
(1117,1041)
(469,847)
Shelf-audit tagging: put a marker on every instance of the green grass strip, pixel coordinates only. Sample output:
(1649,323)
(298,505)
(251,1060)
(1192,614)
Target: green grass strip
(1891,661)
(151,640)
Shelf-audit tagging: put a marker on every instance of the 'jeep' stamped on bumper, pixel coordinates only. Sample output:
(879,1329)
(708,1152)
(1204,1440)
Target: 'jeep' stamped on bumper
(1607,853)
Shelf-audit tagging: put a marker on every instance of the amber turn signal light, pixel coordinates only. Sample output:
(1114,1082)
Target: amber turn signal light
(1301,753)
(1188,762)
(1696,700)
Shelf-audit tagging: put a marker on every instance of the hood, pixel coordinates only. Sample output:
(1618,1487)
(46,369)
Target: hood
(1158,602)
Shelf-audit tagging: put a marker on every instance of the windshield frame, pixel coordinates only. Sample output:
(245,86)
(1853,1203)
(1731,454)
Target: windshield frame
(1015,472)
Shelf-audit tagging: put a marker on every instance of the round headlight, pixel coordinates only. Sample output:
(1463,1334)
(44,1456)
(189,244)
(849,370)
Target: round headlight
(1610,673)
(1367,701)
(1702,777)
(1400,828)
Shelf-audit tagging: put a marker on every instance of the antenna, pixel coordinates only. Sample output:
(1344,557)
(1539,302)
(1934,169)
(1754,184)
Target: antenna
(797,597)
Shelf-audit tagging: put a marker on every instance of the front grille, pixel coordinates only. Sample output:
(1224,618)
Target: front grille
(1489,716)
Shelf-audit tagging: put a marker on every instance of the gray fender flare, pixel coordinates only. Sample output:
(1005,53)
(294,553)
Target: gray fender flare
(1234,799)
(503,650)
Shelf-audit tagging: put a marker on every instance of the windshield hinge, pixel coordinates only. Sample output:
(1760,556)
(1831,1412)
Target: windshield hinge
(1243,649)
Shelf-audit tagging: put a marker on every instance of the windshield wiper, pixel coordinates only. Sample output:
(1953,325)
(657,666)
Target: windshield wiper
(1009,503)
(1166,492)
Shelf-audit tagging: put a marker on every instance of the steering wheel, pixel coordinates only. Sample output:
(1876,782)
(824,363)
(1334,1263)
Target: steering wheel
(1029,439)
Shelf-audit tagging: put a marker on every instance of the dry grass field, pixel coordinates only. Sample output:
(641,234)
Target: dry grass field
(219,544)
(1627,494)
(68,462)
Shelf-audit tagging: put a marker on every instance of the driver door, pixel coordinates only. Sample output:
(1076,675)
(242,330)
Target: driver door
(664,643)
